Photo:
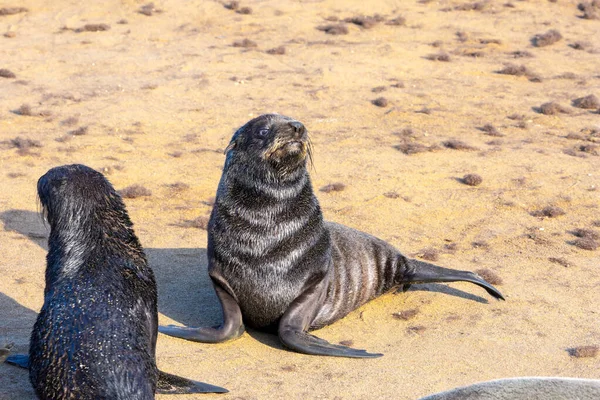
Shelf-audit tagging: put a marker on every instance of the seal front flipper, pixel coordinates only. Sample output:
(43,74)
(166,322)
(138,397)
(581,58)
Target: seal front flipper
(173,384)
(422,272)
(18,360)
(296,320)
(231,328)
(5,351)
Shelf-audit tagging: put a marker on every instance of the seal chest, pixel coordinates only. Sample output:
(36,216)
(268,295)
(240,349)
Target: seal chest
(274,262)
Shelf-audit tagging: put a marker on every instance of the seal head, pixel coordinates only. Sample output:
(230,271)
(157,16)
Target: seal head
(276,144)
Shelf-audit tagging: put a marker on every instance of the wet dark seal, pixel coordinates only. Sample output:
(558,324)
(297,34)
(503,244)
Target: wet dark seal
(275,263)
(95,336)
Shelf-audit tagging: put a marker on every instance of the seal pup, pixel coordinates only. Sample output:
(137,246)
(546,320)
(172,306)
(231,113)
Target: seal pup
(525,388)
(276,265)
(95,336)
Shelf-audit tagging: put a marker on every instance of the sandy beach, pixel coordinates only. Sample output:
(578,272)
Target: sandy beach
(402,99)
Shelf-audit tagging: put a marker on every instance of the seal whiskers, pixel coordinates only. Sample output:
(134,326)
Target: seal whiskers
(276,264)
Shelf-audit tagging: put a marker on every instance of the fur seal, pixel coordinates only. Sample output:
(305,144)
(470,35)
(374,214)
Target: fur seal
(95,336)
(273,260)
(525,388)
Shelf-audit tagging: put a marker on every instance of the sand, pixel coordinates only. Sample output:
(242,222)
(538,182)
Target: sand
(154,99)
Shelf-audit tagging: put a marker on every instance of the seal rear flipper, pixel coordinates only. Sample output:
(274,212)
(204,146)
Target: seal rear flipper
(231,328)
(296,320)
(18,360)
(173,384)
(422,272)
(304,342)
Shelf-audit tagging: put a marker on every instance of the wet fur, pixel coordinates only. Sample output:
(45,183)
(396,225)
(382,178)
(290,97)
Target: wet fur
(95,337)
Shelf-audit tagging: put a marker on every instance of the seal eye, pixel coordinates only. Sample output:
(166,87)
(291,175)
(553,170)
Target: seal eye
(262,133)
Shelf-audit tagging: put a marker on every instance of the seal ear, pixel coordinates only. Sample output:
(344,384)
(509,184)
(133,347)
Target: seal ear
(234,140)
(231,146)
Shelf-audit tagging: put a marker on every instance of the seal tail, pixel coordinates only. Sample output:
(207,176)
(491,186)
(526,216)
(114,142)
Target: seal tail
(173,384)
(422,272)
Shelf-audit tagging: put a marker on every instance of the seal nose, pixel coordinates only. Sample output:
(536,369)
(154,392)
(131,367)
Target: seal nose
(298,128)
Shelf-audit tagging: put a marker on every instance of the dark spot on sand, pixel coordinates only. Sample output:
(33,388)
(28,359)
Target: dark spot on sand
(472,179)
(586,233)
(451,247)
(12,10)
(5,73)
(441,56)
(24,110)
(346,342)
(79,131)
(288,368)
(588,102)
(380,102)
(244,11)
(548,212)
(429,254)
(406,314)
(489,275)
(456,144)
(379,89)
(277,50)
(521,54)
(398,21)
(71,121)
(553,108)
(333,187)
(586,243)
(246,43)
(200,222)
(178,186)
(334,29)
(518,117)
(584,351)
(476,6)
(590,9)
(409,148)
(93,28)
(560,261)
(491,130)
(462,36)
(23,143)
(567,75)
(520,70)
(480,244)
(14,175)
(122,22)
(149,10)
(546,39)
(134,191)
(580,45)
(365,21)
(391,195)
(418,329)
(232,5)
